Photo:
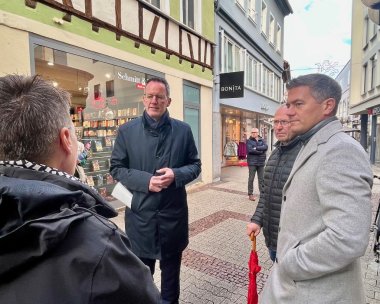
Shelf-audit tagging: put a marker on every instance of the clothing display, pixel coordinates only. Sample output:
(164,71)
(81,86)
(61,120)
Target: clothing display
(242,150)
(230,149)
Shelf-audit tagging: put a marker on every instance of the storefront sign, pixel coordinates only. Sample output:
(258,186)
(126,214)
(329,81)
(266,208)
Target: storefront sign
(231,85)
(135,79)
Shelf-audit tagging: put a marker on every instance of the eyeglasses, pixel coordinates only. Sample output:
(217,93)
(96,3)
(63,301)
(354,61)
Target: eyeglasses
(158,97)
(254,132)
(281,123)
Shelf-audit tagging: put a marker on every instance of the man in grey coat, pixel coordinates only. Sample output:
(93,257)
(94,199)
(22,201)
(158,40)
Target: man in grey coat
(326,206)
(155,157)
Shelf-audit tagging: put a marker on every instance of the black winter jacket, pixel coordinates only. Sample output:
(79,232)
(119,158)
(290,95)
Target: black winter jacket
(56,246)
(256,151)
(157,223)
(276,173)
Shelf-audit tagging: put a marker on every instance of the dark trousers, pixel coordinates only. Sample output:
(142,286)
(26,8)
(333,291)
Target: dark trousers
(251,178)
(170,271)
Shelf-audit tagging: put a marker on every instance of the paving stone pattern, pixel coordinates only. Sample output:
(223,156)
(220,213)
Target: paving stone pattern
(215,264)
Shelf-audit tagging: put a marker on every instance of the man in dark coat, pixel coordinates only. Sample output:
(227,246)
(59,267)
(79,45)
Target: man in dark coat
(155,157)
(56,243)
(276,172)
(256,156)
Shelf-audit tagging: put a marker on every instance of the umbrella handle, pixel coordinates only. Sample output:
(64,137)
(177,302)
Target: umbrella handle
(253,239)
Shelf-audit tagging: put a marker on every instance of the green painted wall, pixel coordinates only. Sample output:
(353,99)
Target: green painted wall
(175,9)
(45,15)
(208,19)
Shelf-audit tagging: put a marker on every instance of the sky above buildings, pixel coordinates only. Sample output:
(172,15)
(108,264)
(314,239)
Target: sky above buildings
(318,36)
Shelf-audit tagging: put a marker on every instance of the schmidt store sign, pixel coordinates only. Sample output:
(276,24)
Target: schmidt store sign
(231,85)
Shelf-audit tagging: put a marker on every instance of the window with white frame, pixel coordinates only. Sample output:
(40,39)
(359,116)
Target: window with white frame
(252,9)
(271,84)
(163,5)
(373,72)
(191,13)
(188,13)
(272,30)
(264,80)
(231,56)
(279,38)
(249,7)
(156,3)
(257,76)
(366,31)
(264,14)
(249,72)
(364,78)
(257,85)
(377,72)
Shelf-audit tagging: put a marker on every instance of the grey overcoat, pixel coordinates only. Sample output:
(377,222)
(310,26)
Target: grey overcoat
(324,225)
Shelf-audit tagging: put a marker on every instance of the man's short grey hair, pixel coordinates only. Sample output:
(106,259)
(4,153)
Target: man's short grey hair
(32,113)
(160,80)
(321,86)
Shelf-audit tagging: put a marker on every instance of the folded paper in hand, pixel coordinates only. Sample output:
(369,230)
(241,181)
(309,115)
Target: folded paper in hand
(122,194)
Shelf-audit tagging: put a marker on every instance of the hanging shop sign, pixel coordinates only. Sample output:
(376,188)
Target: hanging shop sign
(231,85)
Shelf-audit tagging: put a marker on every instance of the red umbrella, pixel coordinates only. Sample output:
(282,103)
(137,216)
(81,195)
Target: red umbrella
(254,268)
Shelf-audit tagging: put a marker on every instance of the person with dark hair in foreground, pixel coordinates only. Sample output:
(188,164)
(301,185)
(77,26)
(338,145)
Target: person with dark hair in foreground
(56,243)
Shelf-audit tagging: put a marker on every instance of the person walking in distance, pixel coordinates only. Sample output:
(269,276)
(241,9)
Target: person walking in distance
(276,172)
(256,156)
(155,157)
(326,204)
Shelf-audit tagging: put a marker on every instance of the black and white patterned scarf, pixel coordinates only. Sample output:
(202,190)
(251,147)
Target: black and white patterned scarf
(36,167)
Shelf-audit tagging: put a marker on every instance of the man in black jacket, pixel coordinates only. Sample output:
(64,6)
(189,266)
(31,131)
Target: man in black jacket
(276,172)
(56,243)
(155,157)
(256,150)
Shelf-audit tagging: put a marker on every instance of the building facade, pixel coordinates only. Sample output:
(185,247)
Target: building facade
(365,77)
(351,123)
(249,36)
(103,52)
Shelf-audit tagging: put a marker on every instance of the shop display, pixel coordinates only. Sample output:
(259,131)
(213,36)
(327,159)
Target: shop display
(98,134)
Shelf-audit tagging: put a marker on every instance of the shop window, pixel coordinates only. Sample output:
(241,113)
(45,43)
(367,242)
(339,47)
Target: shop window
(103,96)
(191,100)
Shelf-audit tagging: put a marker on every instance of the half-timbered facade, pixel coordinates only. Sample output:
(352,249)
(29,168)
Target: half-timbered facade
(102,52)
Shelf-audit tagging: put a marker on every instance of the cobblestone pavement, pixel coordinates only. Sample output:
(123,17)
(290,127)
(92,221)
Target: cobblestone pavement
(215,264)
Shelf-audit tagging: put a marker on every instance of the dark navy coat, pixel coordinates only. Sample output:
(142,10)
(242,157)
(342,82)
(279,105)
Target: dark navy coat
(256,151)
(157,223)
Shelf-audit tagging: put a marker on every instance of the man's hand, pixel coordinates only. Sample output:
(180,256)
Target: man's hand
(164,180)
(253,227)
